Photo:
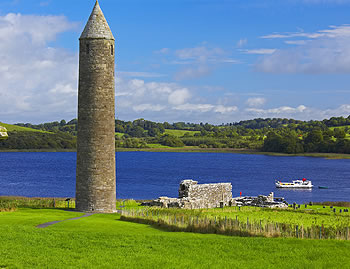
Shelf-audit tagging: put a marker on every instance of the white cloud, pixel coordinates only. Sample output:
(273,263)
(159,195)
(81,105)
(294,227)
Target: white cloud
(148,107)
(300,112)
(225,109)
(37,30)
(332,32)
(256,101)
(195,62)
(37,81)
(277,111)
(192,72)
(179,97)
(195,107)
(295,42)
(325,51)
(203,108)
(162,51)
(259,51)
(167,102)
(201,54)
(139,74)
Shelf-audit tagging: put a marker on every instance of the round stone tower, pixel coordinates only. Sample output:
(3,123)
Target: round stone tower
(96,178)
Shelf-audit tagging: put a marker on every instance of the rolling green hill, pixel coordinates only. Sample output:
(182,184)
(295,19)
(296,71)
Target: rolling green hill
(24,138)
(15,128)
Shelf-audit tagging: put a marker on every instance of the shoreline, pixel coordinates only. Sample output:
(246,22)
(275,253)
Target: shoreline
(333,156)
(339,203)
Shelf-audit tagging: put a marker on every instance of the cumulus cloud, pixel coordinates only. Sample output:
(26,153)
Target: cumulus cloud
(324,51)
(300,112)
(167,102)
(179,97)
(37,80)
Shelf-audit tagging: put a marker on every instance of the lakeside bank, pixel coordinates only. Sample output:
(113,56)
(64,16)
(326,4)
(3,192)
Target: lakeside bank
(201,150)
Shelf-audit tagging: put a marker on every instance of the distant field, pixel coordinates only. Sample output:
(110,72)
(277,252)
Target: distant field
(158,146)
(180,133)
(341,127)
(12,128)
(119,134)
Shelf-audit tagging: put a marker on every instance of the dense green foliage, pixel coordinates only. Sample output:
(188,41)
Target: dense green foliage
(38,140)
(268,135)
(104,241)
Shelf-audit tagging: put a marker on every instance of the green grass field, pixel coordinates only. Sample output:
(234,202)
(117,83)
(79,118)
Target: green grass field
(119,134)
(104,241)
(158,146)
(180,133)
(15,128)
(312,215)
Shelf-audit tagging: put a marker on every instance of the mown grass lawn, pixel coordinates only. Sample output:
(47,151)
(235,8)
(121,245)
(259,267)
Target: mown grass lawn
(104,241)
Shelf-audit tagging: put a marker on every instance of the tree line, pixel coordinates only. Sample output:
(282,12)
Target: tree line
(270,134)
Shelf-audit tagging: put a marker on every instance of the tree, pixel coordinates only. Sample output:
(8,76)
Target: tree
(171,141)
(339,133)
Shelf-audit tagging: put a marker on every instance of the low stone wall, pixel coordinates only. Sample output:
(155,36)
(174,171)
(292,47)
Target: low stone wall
(260,201)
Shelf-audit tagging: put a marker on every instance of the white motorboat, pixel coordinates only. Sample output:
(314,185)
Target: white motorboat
(299,183)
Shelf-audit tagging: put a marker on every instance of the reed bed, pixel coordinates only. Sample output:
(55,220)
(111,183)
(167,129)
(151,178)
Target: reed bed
(12,203)
(198,223)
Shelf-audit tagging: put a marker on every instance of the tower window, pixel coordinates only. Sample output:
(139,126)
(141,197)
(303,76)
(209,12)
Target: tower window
(112,50)
(87,48)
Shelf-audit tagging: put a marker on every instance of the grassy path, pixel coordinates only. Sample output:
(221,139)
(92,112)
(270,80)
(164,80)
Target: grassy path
(103,241)
(47,224)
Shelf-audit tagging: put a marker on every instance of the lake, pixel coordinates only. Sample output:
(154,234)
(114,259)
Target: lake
(148,175)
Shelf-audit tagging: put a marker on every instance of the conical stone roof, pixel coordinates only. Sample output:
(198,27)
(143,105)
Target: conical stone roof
(97,26)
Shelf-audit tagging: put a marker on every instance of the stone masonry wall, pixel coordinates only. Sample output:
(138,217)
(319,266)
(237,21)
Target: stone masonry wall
(195,196)
(96,177)
(210,194)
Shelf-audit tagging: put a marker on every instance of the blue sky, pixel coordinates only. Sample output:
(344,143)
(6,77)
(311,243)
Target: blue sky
(182,60)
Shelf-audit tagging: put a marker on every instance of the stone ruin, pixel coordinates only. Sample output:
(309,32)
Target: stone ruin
(260,201)
(196,196)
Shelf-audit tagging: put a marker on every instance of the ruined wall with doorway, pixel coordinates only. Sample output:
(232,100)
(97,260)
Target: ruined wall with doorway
(206,195)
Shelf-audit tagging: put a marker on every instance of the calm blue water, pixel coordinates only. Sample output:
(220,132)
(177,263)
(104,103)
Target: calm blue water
(147,175)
